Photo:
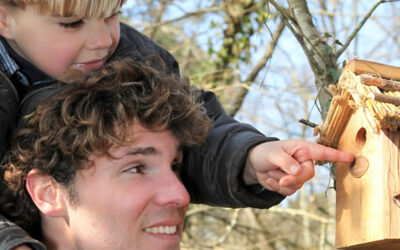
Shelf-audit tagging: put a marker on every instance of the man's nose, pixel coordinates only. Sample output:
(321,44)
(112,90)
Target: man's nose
(100,36)
(171,191)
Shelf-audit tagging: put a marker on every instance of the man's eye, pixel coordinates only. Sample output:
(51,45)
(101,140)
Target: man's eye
(135,169)
(72,25)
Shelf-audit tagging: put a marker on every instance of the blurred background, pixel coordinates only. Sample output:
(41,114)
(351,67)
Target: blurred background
(270,63)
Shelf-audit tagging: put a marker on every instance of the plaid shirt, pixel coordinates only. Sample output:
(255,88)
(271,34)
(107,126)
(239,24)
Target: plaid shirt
(10,67)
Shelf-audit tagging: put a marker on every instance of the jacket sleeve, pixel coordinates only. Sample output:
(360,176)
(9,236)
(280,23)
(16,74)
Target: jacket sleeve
(8,110)
(212,173)
(12,236)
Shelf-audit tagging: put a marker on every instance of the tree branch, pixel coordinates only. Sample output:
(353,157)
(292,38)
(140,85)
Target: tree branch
(299,212)
(310,35)
(285,17)
(187,15)
(359,26)
(238,100)
(300,26)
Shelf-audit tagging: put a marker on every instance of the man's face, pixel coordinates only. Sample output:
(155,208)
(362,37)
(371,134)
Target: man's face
(134,201)
(55,44)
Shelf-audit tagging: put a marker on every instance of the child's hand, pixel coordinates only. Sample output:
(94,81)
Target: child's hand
(284,166)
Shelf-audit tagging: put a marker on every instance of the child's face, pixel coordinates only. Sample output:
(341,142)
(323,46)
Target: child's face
(55,44)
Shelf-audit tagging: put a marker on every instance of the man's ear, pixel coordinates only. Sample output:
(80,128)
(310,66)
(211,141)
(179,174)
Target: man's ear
(5,19)
(46,193)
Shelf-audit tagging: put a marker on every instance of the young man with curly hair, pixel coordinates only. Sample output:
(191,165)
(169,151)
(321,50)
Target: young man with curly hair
(97,166)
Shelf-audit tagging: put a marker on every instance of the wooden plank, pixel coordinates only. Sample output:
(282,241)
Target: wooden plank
(377,69)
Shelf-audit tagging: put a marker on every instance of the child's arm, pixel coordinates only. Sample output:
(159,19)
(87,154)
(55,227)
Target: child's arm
(284,166)
(213,173)
(236,155)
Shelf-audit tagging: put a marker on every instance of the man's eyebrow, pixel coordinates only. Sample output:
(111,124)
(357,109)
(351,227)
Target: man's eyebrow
(143,151)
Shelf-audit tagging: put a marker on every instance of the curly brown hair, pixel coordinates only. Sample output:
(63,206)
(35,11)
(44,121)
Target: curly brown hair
(90,115)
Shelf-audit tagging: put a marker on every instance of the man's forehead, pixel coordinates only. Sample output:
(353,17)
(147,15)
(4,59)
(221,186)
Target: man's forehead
(145,141)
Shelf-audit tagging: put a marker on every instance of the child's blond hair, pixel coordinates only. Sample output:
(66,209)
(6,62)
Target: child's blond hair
(79,8)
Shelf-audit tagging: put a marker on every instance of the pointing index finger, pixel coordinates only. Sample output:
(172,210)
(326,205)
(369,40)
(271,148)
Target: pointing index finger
(322,153)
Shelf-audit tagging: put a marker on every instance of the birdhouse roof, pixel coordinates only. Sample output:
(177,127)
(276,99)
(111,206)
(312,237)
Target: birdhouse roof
(370,86)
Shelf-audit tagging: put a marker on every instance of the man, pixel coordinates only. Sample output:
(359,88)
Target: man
(96,167)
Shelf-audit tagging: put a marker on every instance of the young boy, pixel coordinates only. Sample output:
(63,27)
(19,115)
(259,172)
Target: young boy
(41,40)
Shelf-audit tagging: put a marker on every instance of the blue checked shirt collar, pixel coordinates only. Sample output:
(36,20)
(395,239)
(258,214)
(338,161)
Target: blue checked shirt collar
(9,66)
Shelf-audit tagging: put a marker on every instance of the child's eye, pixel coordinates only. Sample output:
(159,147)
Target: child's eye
(72,25)
(115,14)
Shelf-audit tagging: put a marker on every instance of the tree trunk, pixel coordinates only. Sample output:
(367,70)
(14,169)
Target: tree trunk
(321,58)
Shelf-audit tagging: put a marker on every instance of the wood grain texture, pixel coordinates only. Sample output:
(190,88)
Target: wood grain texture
(373,68)
(366,212)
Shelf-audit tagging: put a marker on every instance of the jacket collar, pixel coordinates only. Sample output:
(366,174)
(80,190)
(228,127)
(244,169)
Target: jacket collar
(9,66)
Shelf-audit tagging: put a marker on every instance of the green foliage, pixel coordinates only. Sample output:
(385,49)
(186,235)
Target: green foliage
(334,74)
(338,42)
(344,63)
(237,43)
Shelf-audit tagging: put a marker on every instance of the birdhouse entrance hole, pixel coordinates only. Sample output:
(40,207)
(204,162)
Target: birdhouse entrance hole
(361,137)
(396,199)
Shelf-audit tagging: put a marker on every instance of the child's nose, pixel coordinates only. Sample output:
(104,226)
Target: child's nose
(100,36)
(171,191)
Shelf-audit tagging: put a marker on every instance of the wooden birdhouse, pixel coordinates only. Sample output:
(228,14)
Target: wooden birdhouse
(364,119)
